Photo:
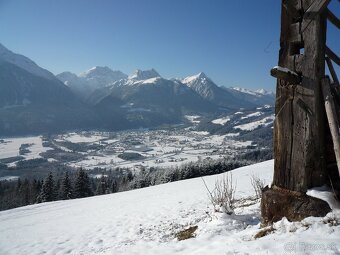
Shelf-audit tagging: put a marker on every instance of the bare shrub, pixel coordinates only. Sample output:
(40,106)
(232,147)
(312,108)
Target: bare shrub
(223,194)
(258,184)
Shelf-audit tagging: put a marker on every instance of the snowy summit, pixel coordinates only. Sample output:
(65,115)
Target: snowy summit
(144,75)
(200,77)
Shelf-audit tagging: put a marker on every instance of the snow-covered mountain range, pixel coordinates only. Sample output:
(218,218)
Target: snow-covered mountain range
(103,78)
(108,98)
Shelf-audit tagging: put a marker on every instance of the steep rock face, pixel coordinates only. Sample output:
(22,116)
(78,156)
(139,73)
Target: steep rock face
(208,90)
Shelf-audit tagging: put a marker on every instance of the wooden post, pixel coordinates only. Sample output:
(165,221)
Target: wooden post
(332,71)
(299,127)
(332,118)
(300,124)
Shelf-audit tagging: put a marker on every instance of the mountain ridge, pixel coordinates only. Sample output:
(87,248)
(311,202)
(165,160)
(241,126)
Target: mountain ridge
(33,100)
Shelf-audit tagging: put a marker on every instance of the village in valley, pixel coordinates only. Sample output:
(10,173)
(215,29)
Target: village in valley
(139,149)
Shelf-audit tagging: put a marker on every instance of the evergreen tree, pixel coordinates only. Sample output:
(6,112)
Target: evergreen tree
(19,184)
(47,190)
(82,185)
(57,189)
(1,189)
(102,186)
(35,190)
(66,187)
(26,192)
(114,186)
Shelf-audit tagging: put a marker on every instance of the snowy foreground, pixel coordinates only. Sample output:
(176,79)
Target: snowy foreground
(145,221)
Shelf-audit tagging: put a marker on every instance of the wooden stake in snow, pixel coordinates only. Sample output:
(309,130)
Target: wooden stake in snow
(332,118)
(301,135)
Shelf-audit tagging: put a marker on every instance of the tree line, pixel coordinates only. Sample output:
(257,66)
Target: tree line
(69,186)
(79,184)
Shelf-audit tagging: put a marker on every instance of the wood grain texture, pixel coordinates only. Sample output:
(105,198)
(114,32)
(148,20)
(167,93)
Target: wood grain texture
(299,126)
(332,117)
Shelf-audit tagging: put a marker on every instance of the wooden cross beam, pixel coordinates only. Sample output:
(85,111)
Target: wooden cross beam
(332,18)
(332,56)
(313,10)
(332,71)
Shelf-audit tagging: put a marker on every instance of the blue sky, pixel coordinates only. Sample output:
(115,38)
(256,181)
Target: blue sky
(233,42)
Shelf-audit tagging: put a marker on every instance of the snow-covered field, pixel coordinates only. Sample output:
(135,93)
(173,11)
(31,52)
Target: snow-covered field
(145,221)
(81,138)
(221,121)
(193,118)
(159,148)
(256,124)
(10,147)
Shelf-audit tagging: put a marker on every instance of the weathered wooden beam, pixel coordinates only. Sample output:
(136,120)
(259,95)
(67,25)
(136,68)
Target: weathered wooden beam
(298,62)
(313,10)
(285,74)
(332,71)
(292,7)
(333,19)
(295,35)
(336,92)
(332,118)
(332,56)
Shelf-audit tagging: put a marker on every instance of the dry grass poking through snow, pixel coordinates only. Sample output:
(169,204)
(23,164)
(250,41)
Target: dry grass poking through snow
(223,194)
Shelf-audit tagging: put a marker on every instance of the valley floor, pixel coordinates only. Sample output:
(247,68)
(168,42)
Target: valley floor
(145,221)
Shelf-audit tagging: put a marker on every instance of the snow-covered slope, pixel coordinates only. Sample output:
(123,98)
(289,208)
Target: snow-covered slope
(145,221)
(203,85)
(258,97)
(207,89)
(264,92)
(24,63)
(258,92)
(168,99)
